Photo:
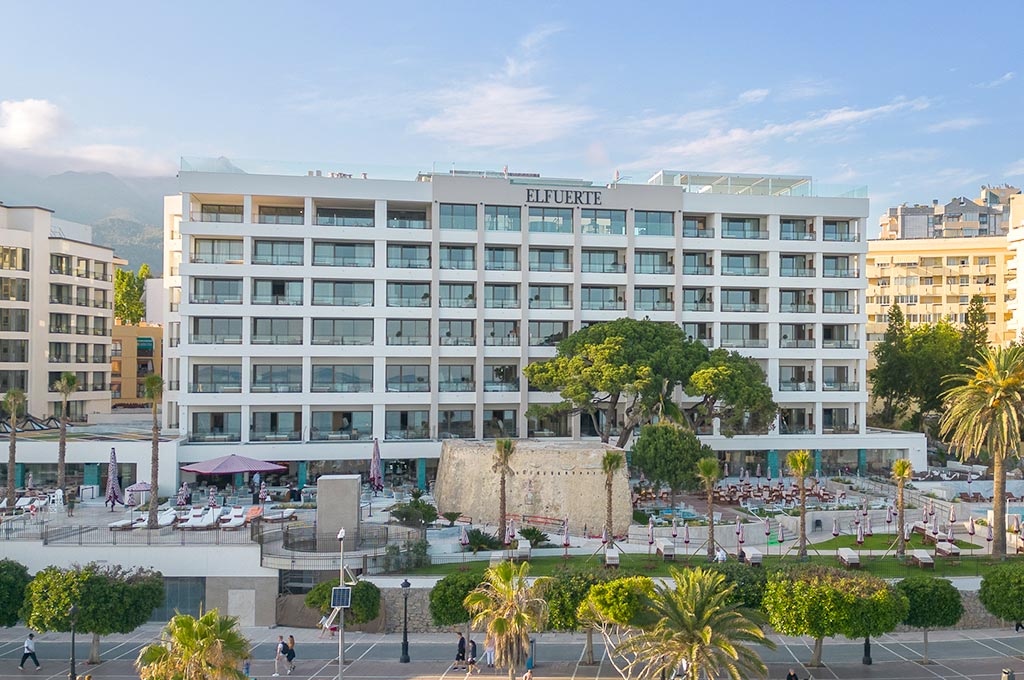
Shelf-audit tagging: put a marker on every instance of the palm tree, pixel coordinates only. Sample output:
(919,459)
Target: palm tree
(707,472)
(210,647)
(14,404)
(902,472)
(699,630)
(985,413)
(503,451)
(67,384)
(801,465)
(154,387)
(612,462)
(509,609)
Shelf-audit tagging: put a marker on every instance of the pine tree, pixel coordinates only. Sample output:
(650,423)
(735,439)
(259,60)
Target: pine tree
(889,376)
(975,331)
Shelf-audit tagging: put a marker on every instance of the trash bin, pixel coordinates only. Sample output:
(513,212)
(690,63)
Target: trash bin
(1008,674)
(533,651)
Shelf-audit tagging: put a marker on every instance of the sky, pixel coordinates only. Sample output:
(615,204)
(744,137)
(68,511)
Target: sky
(915,100)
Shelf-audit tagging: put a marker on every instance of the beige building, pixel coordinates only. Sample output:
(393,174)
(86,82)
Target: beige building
(134,354)
(961,217)
(56,313)
(934,279)
(1015,239)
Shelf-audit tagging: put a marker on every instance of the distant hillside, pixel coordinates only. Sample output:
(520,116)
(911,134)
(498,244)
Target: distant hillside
(126,214)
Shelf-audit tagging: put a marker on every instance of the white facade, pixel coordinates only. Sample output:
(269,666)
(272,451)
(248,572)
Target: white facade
(56,313)
(307,315)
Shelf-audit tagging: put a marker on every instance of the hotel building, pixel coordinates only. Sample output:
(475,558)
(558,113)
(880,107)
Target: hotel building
(56,311)
(309,314)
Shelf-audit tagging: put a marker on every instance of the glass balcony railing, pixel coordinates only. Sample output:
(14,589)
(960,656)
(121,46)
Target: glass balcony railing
(654,269)
(397,223)
(277,339)
(100,359)
(492,303)
(457,264)
(410,339)
(342,340)
(409,262)
(835,386)
(605,305)
(79,302)
(501,266)
(842,273)
(278,219)
(698,269)
(798,429)
(510,341)
(692,306)
(344,221)
(216,258)
(211,216)
(839,309)
(789,343)
(744,271)
(796,271)
(744,342)
(324,261)
(61,300)
(215,299)
(200,437)
(276,299)
(604,268)
(653,305)
(410,433)
(792,235)
(501,386)
(840,344)
(798,307)
(847,237)
(554,304)
(745,233)
(457,386)
(409,301)
(100,276)
(707,232)
(744,307)
(459,341)
(102,304)
(276,386)
(362,386)
(463,302)
(285,260)
(275,436)
(343,300)
(797,386)
(215,387)
(550,266)
(60,328)
(419,386)
(841,428)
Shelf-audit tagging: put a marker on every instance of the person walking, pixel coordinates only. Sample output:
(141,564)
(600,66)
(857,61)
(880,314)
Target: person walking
(280,652)
(489,651)
(471,661)
(29,652)
(290,654)
(71,505)
(792,675)
(460,653)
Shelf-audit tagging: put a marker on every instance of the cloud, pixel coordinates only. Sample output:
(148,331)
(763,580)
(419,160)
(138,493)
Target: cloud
(28,122)
(1001,80)
(753,96)
(1016,169)
(806,88)
(954,124)
(742,142)
(34,135)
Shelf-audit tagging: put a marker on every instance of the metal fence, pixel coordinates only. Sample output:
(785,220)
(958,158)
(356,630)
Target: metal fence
(89,535)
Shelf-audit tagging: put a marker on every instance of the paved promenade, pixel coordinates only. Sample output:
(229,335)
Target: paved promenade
(961,655)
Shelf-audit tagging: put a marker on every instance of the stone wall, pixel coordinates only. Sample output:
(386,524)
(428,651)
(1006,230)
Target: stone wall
(552,479)
(419,611)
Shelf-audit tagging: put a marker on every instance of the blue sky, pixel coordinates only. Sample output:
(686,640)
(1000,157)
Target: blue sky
(915,100)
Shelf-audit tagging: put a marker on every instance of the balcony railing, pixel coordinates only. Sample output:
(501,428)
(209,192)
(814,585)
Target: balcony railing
(707,232)
(457,386)
(205,216)
(798,307)
(59,358)
(501,266)
(409,301)
(79,302)
(408,386)
(214,299)
(342,340)
(830,386)
(343,301)
(278,219)
(211,437)
(337,435)
(790,235)
(654,269)
(65,329)
(692,306)
(550,266)
(501,386)
(276,299)
(409,262)
(321,261)
(98,387)
(276,386)
(102,304)
(408,433)
(839,309)
(805,272)
(172,385)
(744,307)
(744,271)
(744,342)
(173,342)
(215,339)
(361,386)
(804,343)
(505,341)
(282,339)
(653,305)
(457,264)
(344,221)
(101,331)
(796,386)
(100,359)
(842,428)
(846,237)
(395,223)
(275,436)
(458,340)
(216,258)
(604,268)
(797,429)
(463,302)
(745,233)
(59,300)
(215,387)
(284,260)
(605,305)
(410,339)
(99,276)
(698,269)
(491,303)
(840,344)
(842,273)
(555,304)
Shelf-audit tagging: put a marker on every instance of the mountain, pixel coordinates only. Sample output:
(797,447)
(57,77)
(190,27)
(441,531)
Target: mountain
(126,213)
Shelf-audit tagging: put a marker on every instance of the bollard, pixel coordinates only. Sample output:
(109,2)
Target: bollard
(533,652)
(1008,674)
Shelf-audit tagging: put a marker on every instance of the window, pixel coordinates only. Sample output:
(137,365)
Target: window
(13,320)
(15,290)
(458,257)
(13,380)
(548,333)
(400,425)
(272,426)
(556,425)
(276,378)
(653,223)
(212,212)
(550,260)
(653,299)
(217,291)
(743,335)
(696,300)
(144,347)
(503,218)
(742,300)
(115,348)
(501,259)
(408,257)
(603,221)
(695,227)
(601,262)
(742,227)
(276,292)
(216,251)
(653,262)
(211,427)
(736,264)
(344,217)
(60,264)
(456,332)
(216,331)
(15,259)
(342,331)
(60,294)
(408,378)
(343,293)
(837,302)
(277,252)
(499,423)
(501,378)
(501,295)
(697,263)
(457,295)
(280,215)
(407,219)
(502,333)
(551,220)
(216,378)
(455,425)
(408,331)
(458,216)
(598,297)
(341,254)
(550,297)
(17,350)
(60,323)
(795,230)
(277,331)
(408,294)
(341,425)
(455,378)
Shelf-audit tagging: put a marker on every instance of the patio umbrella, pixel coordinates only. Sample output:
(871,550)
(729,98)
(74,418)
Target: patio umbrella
(725,470)
(969,484)
(1016,524)
(931,507)
(739,535)
(511,536)
(232,465)
(675,531)
(867,527)
(604,536)
(184,496)
(28,480)
(906,532)
(924,514)
(463,537)
(758,472)
(860,535)
(835,527)
(264,494)
(856,518)
(988,536)
(970,527)
(141,487)
(864,510)
(130,502)
(935,527)
(782,533)
(376,470)
(739,526)
(767,528)
(769,477)
(888,514)
(949,533)
(952,514)
(565,533)
(113,487)
(686,534)
(650,533)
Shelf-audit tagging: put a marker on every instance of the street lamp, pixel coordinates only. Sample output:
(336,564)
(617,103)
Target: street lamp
(72,615)
(405,622)
(341,611)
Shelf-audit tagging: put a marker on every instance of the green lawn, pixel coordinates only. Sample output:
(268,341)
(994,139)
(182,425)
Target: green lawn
(881,542)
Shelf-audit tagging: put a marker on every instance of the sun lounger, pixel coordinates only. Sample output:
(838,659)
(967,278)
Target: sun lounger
(279,515)
(922,559)
(236,521)
(194,520)
(523,551)
(666,549)
(947,549)
(848,558)
(611,558)
(754,557)
(23,503)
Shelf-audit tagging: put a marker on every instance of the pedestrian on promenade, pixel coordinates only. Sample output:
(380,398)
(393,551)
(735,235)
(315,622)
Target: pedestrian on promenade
(471,662)
(279,655)
(528,675)
(71,505)
(29,652)
(1017,626)
(489,651)
(460,653)
(792,675)
(290,654)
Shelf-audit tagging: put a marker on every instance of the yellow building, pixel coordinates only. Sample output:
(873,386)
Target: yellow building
(135,353)
(934,279)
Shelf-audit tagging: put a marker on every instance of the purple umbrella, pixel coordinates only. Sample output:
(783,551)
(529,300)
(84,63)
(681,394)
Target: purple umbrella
(860,535)
(759,472)
(1016,524)
(675,532)
(888,514)
(212,502)
(835,527)
(949,533)
(782,533)
(604,536)
(924,514)
(867,527)
(739,526)
(725,470)
(464,537)
(686,534)
(988,536)
(970,527)
(376,470)
(906,532)
(183,495)
(113,488)
(935,527)
(952,514)
(739,535)
(931,507)
(264,494)
(767,527)
(565,533)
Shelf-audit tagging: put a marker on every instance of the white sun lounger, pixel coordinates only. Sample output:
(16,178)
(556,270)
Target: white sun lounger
(236,520)
(193,521)
(279,515)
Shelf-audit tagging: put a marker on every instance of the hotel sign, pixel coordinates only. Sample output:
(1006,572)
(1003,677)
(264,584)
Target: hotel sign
(563,197)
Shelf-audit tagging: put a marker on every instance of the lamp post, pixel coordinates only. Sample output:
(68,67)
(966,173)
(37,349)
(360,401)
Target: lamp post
(341,612)
(405,621)
(72,615)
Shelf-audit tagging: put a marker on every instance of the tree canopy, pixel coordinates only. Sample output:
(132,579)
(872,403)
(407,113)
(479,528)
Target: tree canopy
(734,389)
(130,294)
(668,455)
(204,648)
(933,352)
(1002,591)
(365,604)
(888,377)
(568,590)
(14,579)
(934,603)
(975,332)
(447,597)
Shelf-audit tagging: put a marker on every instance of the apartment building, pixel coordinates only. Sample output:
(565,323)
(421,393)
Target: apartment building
(961,217)
(309,314)
(1015,241)
(57,311)
(136,352)
(934,280)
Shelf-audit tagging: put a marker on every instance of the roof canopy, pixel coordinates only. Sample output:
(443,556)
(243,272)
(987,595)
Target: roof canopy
(232,465)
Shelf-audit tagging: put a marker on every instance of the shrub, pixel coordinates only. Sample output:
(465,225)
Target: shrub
(14,579)
(415,513)
(1002,591)
(535,536)
(447,596)
(640,517)
(749,583)
(478,540)
(418,556)
(365,600)
(451,517)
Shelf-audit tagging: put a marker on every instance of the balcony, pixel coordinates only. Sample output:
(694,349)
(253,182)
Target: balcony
(275,436)
(409,262)
(343,340)
(692,306)
(744,271)
(102,304)
(281,339)
(745,342)
(290,300)
(840,344)
(745,233)
(60,358)
(501,266)
(458,341)
(796,235)
(831,386)
(344,220)
(418,386)
(215,299)
(464,265)
(283,260)
(215,387)
(99,276)
(214,216)
(278,219)
(803,272)
(211,437)
(323,261)
(698,269)
(744,307)
(401,223)
(343,300)
(842,428)
(690,232)
(100,359)
(98,387)
(501,386)
(604,268)
(551,266)
(839,309)
(564,304)
(797,307)
(802,343)
(61,328)
(276,386)
(841,273)
(501,304)
(101,331)
(61,300)
(457,386)
(409,433)
(655,269)
(653,305)
(79,302)
(797,429)
(422,301)
(361,386)
(605,305)
(796,386)
(468,302)
(400,338)
(216,258)
(512,341)
(842,236)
